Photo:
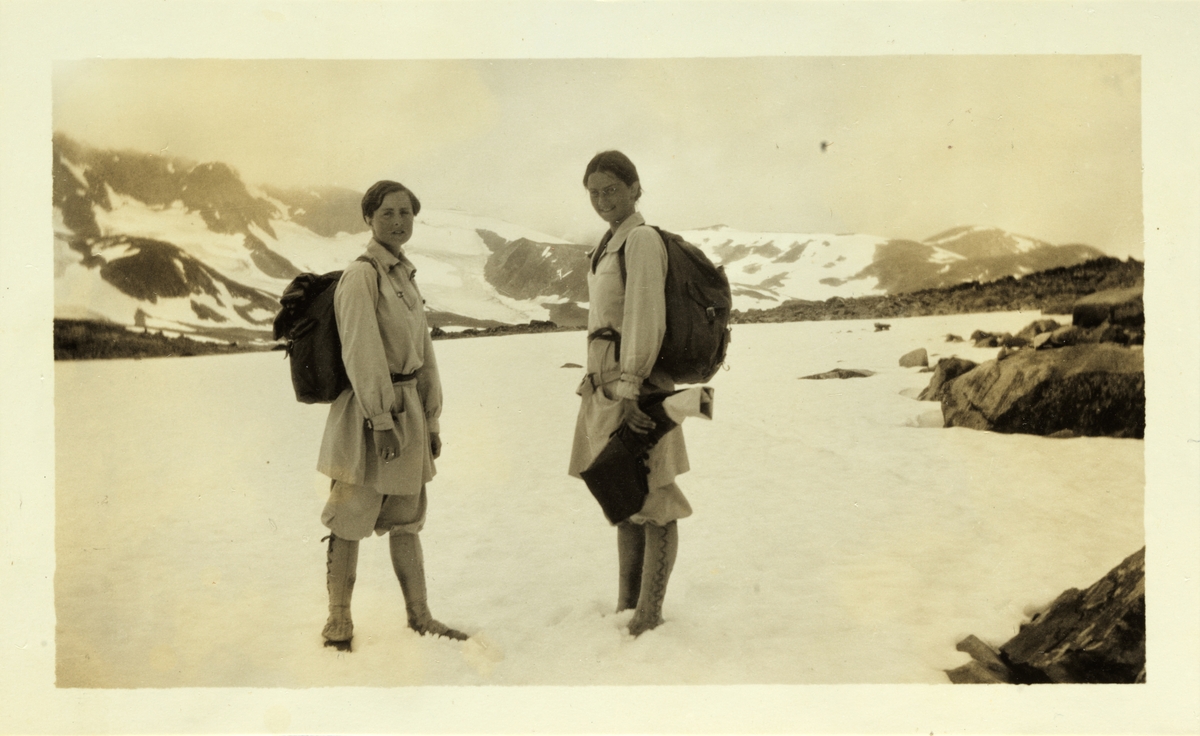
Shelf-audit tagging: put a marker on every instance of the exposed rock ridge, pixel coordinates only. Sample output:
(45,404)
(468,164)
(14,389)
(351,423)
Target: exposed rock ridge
(1096,635)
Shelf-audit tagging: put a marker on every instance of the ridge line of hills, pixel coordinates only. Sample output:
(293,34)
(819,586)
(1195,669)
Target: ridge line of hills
(164,244)
(1054,291)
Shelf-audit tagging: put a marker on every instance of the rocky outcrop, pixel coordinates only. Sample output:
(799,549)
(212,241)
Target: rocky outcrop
(947,370)
(1085,378)
(1115,306)
(986,254)
(326,211)
(1088,390)
(534,326)
(1053,291)
(1035,328)
(85,178)
(150,270)
(1076,335)
(1112,315)
(1096,635)
(525,269)
(981,339)
(918,358)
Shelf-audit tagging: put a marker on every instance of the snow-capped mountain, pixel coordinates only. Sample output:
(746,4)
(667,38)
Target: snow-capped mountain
(165,243)
(767,269)
(168,244)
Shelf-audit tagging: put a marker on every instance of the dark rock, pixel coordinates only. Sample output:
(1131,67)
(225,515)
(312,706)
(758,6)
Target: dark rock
(881,327)
(953,338)
(983,339)
(1093,636)
(1117,333)
(985,667)
(840,373)
(947,370)
(1091,390)
(997,340)
(975,673)
(1037,327)
(525,269)
(1115,306)
(571,365)
(914,358)
(1065,336)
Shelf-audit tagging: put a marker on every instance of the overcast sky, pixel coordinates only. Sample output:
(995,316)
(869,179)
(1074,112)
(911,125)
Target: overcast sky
(1044,146)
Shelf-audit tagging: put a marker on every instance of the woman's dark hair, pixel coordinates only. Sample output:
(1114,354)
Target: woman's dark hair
(380,189)
(615,163)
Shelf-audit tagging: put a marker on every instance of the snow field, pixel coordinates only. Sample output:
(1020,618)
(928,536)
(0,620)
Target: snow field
(832,542)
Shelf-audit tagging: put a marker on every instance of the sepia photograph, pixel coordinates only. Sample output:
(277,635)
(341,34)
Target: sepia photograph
(596,386)
(914,225)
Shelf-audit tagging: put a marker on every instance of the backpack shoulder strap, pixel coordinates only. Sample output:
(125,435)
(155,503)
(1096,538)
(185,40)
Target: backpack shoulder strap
(378,277)
(621,254)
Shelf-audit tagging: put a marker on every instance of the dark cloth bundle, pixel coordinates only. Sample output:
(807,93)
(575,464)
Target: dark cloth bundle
(619,477)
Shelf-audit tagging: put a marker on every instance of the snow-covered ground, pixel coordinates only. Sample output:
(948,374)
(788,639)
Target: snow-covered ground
(833,541)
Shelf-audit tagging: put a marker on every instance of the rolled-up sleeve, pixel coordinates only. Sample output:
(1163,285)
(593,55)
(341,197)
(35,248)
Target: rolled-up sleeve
(362,349)
(645,317)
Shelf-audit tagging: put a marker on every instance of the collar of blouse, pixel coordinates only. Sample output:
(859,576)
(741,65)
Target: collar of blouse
(629,223)
(385,258)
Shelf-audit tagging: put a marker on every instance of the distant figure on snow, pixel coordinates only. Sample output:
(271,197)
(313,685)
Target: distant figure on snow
(626,324)
(381,436)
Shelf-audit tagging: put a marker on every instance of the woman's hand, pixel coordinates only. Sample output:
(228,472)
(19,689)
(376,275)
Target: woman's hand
(387,444)
(638,420)
(435,444)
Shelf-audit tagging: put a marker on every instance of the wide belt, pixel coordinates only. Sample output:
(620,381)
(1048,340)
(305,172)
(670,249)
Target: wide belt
(402,377)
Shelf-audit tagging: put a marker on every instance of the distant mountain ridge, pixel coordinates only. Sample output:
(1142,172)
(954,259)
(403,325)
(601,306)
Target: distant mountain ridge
(171,244)
(769,269)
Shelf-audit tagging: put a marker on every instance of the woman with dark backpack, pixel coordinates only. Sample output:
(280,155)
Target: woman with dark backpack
(382,434)
(626,324)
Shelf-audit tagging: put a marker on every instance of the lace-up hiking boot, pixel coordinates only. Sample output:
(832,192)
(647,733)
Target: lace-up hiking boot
(341,563)
(408,561)
(662,544)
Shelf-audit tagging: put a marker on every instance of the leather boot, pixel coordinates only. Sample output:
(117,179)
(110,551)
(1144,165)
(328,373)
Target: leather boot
(341,562)
(662,544)
(631,548)
(409,564)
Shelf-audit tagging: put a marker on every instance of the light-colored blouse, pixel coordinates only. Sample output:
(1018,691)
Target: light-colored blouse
(636,308)
(381,321)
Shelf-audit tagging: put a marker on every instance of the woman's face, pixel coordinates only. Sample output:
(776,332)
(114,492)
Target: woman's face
(612,199)
(392,223)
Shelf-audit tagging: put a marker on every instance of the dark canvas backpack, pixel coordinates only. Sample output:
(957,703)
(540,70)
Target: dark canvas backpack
(698,305)
(308,325)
